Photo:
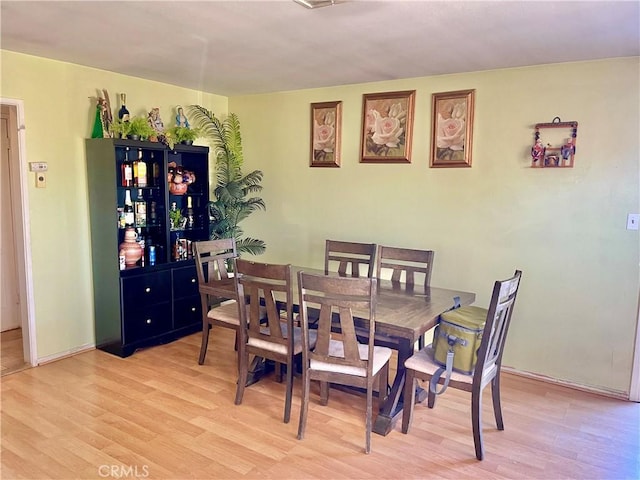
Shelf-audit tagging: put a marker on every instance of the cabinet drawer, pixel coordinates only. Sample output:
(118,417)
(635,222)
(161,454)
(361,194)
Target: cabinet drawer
(144,290)
(187,311)
(185,282)
(144,323)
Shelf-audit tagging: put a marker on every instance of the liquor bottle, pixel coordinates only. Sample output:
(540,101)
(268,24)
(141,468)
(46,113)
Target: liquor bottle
(141,242)
(140,208)
(177,249)
(123,113)
(129,217)
(190,219)
(140,171)
(155,167)
(152,217)
(127,170)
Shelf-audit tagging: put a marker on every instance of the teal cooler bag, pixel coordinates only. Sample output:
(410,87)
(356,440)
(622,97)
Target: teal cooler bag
(456,341)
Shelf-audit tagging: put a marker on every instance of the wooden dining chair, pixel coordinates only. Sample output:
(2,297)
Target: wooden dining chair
(410,266)
(487,370)
(349,256)
(215,285)
(339,358)
(407,267)
(268,331)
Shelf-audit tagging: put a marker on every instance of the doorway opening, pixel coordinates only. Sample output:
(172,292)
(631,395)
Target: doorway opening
(17,305)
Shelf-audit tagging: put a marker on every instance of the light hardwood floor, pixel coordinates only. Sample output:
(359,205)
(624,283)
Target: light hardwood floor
(11,354)
(158,414)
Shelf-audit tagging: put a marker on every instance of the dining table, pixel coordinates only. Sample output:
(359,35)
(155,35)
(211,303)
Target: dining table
(404,313)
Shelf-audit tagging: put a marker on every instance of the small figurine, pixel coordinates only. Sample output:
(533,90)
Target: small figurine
(568,149)
(104,119)
(537,151)
(155,121)
(181,119)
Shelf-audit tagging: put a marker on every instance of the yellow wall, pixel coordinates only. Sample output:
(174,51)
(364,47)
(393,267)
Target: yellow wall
(575,318)
(576,315)
(59,109)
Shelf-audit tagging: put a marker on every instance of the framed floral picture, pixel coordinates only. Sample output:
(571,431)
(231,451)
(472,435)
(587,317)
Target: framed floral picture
(387,126)
(452,128)
(326,121)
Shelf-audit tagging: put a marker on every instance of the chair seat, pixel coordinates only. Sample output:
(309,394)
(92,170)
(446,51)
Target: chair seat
(279,348)
(227,313)
(381,356)
(424,363)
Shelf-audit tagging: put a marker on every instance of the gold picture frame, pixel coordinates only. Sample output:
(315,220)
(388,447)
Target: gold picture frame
(387,127)
(452,128)
(326,131)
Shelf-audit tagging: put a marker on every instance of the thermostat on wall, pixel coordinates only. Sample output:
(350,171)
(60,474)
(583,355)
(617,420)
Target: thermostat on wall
(38,166)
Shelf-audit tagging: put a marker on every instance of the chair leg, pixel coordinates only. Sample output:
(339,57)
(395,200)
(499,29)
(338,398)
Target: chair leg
(243,372)
(497,408)
(409,400)
(369,413)
(476,421)
(205,342)
(304,404)
(289,394)
(431,398)
(324,393)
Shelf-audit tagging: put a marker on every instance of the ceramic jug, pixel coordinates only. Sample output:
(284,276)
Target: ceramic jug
(132,249)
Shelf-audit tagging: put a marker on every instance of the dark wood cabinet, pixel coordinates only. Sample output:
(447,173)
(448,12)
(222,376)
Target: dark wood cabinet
(154,301)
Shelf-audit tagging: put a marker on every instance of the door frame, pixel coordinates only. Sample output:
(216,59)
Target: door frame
(22,232)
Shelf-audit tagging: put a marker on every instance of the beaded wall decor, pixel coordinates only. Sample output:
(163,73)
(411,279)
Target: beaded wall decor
(559,151)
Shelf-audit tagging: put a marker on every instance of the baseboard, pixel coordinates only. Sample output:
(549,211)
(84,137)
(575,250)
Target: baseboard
(617,394)
(66,354)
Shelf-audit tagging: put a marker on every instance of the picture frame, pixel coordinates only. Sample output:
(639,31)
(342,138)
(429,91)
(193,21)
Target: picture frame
(326,134)
(452,128)
(387,127)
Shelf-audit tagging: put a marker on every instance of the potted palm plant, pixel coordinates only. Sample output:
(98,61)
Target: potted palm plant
(233,201)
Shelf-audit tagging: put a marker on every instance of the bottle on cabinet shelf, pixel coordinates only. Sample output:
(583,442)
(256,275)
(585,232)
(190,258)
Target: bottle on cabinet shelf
(155,172)
(129,217)
(190,218)
(141,242)
(140,208)
(140,171)
(127,170)
(123,113)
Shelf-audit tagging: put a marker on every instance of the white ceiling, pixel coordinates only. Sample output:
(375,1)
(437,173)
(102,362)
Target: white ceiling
(246,47)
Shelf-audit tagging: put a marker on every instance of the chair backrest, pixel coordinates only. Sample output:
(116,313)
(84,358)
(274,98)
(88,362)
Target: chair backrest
(265,288)
(412,263)
(349,256)
(213,258)
(339,300)
(495,330)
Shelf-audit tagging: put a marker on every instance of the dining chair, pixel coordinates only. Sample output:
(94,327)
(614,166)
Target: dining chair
(487,369)
(410,266)
(267,322)
(215,285)
(339,358)
(349,256)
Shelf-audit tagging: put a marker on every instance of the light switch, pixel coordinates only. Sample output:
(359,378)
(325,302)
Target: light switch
(632,221)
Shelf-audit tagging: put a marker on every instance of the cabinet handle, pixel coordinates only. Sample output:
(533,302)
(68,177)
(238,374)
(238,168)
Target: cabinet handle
(147,290)
(193,280)
(193,309)
(148,321)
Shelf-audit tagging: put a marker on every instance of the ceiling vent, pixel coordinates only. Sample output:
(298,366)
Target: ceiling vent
(315,3)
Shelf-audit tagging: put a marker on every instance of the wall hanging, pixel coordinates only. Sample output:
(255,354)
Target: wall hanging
(326,121)
(560,147)
(452,128)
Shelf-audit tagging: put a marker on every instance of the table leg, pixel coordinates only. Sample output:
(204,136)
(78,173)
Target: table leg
(392,409)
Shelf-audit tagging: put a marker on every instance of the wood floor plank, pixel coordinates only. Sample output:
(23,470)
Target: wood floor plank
(161,415)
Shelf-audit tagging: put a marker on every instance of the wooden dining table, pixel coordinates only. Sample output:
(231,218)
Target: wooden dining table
(403,315)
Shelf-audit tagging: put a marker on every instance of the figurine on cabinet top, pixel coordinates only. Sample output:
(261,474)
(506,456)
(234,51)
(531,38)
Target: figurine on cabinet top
(155,121)
(537,151)
(181,118)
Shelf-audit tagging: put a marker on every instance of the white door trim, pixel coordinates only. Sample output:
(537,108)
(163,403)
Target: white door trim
(634,390)
(23,240)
